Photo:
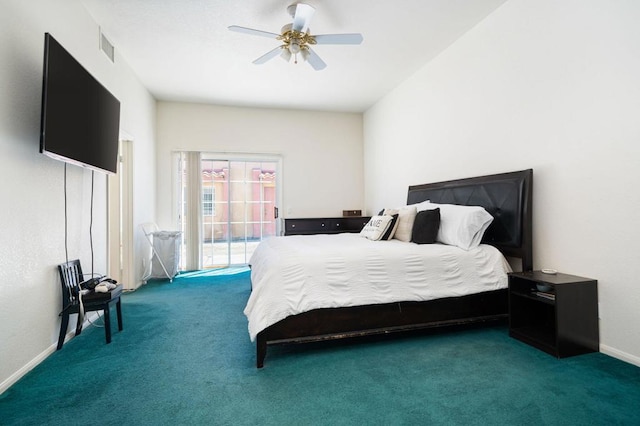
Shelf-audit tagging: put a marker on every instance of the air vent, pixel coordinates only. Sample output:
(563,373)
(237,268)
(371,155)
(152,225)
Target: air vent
(107,47)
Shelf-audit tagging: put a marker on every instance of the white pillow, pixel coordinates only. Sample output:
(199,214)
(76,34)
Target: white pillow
(461,226)
(406,217)
(423,205)
(376,227)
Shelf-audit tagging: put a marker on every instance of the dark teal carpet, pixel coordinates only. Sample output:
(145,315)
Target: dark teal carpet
(184,358)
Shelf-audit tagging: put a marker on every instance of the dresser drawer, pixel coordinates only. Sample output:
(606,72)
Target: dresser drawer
(350,224)
(306,226)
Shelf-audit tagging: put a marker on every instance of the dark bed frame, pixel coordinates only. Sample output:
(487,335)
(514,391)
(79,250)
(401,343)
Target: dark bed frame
(506,196)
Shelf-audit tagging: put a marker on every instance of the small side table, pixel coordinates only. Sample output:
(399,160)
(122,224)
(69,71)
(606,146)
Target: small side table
(557,314)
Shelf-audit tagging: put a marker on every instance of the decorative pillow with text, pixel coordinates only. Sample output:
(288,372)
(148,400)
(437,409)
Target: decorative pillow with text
(376,227)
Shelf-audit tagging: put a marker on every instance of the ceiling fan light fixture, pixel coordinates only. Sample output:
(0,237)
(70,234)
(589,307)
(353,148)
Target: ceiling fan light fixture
(286,54)
(304,53)
(294,47)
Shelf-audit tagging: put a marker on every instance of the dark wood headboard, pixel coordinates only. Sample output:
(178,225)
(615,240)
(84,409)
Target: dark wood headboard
(506,196)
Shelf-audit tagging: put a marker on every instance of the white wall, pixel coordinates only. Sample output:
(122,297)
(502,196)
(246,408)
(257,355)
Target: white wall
(547,84)
(322,152)
(31,188)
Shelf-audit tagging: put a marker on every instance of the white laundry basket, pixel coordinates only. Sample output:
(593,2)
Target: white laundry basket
(165,252)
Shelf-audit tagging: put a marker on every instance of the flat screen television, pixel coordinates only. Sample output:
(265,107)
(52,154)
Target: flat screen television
(80,119)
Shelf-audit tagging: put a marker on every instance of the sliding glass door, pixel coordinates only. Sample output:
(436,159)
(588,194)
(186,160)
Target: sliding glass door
(237,208)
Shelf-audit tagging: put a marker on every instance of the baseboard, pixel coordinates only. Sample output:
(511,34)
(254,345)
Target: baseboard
(623,356)
(135,286)
(13,379)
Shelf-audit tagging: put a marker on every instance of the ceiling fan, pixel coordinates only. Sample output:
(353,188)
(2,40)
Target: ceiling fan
(297,40)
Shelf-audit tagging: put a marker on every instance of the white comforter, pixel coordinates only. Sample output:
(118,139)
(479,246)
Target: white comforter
(295,274)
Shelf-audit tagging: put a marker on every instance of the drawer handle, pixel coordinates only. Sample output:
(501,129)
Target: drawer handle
(323,224)
(293,226)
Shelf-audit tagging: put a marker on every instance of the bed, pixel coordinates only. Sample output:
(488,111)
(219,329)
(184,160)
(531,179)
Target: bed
(475,299)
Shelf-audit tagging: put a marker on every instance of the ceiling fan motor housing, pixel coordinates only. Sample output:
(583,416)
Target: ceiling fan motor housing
(291,9)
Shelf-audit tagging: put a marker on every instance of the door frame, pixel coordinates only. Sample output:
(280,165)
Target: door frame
(120,218)
(243,157)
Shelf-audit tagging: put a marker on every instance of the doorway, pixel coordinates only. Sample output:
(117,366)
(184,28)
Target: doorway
(232,210)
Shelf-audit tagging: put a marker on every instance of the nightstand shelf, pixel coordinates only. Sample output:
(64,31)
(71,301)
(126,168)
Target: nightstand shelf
(561,320)
(533,295)
(539,337)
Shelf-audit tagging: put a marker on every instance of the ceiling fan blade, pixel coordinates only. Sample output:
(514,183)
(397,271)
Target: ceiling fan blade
(338,38)
(315,61)
(302,17)
(251,31)
(267,56)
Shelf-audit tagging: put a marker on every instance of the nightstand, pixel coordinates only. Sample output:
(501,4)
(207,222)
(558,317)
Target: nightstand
(557,313)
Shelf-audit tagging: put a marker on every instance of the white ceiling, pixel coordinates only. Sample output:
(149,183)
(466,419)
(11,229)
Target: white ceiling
(182,50)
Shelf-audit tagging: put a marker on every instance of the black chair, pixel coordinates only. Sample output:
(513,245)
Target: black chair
(71,277)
